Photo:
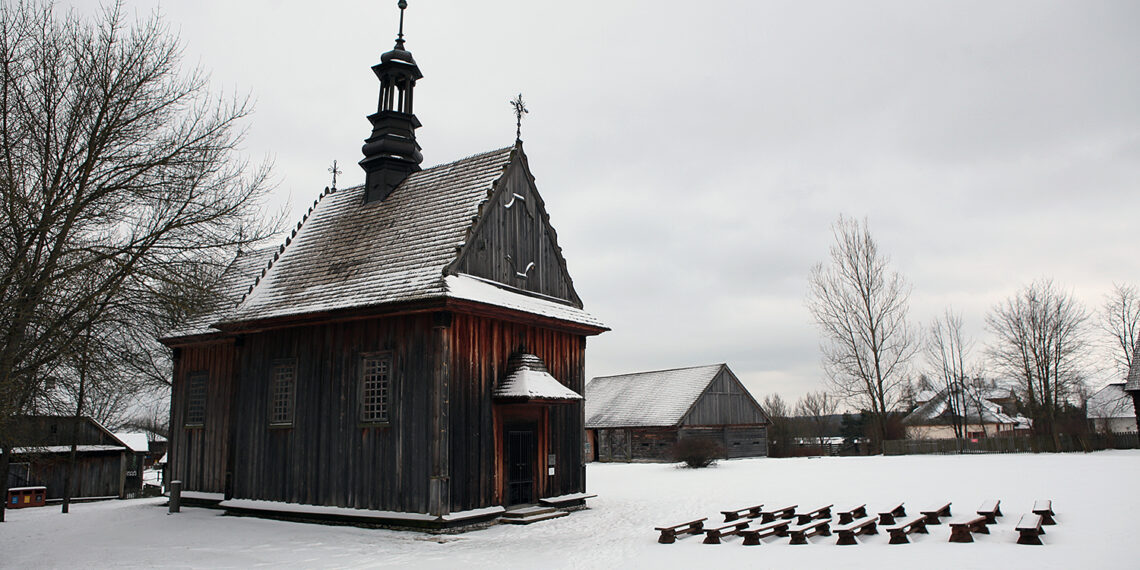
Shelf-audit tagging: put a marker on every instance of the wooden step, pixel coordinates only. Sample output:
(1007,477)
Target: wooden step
(527,511)
(547,514)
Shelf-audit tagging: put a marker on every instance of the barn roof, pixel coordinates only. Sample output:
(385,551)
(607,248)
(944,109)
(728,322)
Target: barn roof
(978,409)
(346,254)
(646,399)
(1111,402)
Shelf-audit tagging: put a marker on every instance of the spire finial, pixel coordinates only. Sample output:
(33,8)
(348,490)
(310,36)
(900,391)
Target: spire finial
(520,110)
(403,4)
(334,170)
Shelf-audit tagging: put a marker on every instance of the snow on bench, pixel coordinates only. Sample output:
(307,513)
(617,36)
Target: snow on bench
(991,510)
(749,512)
(898,532)
(801,533)
(933,514)
(1029,529)
(752,536)
(823,512)
(856,512)
(963,530)
(1044,507)
(713,535)
(669,533)
(865,525)
(769,515)
(888,516)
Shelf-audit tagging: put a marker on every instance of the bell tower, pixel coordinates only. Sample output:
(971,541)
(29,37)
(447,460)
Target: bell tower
(391,152)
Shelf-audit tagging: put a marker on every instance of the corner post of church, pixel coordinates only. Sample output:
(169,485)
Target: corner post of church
(440,491)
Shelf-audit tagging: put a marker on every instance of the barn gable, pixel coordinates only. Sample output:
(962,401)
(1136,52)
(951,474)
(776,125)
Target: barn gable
(725,401)
(513,242)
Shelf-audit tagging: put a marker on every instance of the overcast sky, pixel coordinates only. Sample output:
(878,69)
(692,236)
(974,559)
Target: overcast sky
(693,155)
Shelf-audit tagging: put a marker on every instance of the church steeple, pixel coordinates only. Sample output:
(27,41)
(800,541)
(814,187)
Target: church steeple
(391,152)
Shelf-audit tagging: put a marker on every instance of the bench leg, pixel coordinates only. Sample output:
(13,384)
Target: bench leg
(871,529)
(961,534)
(920,528)
(1046,517)
(752,539)
(898,537)
(799,538)
(667,537)
(712,537)
(1029,537)
(886,518)
(846,538)
(981,529)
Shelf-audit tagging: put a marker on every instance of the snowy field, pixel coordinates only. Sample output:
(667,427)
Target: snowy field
(1094,495)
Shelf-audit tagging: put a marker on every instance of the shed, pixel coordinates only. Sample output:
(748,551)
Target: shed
(641,416)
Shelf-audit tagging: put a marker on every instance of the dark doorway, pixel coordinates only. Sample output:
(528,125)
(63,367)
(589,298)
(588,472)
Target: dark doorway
(522,454)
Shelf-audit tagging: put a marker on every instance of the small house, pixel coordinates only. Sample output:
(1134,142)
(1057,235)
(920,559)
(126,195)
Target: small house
(982,411)
(642,416)
(103,465)
(1110,410)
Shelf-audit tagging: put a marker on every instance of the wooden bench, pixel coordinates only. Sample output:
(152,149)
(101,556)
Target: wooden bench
(752,536)
(963,530)
(899,531)
(991,510)
(845,517)
(746,512)
(800,533)
(1029,529)
(669,533)
(865,525)
(817,513)
(888,516)
(933,514)
(713,535)
(1044,507)
(769,515)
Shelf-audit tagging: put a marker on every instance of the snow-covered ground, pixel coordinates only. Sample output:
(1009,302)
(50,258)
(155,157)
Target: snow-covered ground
(1095,497)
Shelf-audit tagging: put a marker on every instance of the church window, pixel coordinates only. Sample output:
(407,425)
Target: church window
(375,381)
(196,399)
(282,393)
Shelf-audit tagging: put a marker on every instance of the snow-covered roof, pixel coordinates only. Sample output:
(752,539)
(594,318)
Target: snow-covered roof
(234,282)
(346,254)
(528,379)
(137,441)
(976,408)
(646,399)
(1111,402)
(63,449)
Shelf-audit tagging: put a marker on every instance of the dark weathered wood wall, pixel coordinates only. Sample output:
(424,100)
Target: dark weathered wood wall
(328,457)
(198,454)
(480,349)
(97,473)
(724,402)
(513,225)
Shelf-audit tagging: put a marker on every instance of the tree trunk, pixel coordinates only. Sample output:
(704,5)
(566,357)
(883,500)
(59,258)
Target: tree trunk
(4,467)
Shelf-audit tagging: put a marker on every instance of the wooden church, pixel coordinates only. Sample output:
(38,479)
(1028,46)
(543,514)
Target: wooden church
(413,354)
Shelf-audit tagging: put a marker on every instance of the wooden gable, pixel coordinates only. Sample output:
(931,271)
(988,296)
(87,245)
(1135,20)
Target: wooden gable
(725,402)
(512,242)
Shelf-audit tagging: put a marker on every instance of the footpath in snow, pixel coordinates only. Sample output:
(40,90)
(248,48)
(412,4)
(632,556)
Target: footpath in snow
(1093,494)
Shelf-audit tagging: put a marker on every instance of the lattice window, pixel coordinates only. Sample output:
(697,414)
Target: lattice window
(282,395)
(375,379)
(196,399)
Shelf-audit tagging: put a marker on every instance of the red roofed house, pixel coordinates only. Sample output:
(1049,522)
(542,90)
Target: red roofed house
(413,354)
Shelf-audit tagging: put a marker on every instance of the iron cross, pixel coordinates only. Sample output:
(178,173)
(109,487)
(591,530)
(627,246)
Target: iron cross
(334,170)
(520,110)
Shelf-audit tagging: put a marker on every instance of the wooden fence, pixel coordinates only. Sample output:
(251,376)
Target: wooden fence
(1024,444)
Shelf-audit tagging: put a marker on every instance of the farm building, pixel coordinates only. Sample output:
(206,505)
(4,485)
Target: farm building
(1132,384)
(106,467)
(1110,410)
(641,416)
(414,353)
(982,411)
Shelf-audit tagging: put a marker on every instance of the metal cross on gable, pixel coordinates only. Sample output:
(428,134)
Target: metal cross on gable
(520,110)
(334,170)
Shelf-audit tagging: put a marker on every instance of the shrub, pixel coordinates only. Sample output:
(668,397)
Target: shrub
(697,452)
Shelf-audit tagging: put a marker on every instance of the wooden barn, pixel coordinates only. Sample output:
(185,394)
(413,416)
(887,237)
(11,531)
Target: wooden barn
(641,416)
(105,465)
(413,354)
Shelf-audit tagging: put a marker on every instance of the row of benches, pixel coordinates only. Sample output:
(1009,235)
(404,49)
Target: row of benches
(786,521)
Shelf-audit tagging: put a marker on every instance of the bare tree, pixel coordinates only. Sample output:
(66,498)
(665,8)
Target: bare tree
(816,408)
(1041,339)
(861,308)
(947,355)
(780,429)
(119,183)
(1120,320)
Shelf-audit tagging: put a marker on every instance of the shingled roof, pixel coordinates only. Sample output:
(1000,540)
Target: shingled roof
(646,399)
(233,284)
(348,254)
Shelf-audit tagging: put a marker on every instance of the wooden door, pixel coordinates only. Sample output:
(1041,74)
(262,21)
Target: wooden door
(522,461)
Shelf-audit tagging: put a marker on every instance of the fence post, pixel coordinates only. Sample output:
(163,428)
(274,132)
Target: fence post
(175,496)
